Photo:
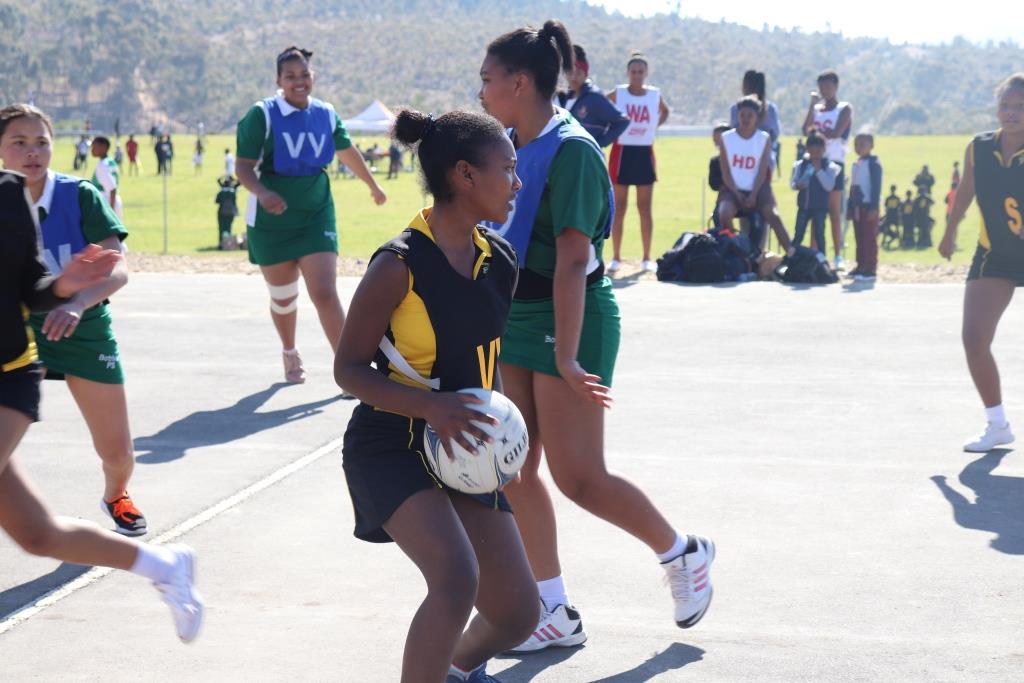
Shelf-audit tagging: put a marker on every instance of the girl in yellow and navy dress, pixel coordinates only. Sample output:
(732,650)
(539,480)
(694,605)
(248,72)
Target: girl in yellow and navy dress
(24,285)
(285,145)
(994,173)
(558,353)
(430,314)
(75,340)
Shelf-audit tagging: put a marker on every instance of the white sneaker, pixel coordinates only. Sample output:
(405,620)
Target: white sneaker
(840,263)
(561,627)
(180,594)
(613,266)
(650,267)
(992,436)
(689,577)
(294,372)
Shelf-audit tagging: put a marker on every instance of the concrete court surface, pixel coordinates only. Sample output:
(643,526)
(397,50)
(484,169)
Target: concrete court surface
(813,433)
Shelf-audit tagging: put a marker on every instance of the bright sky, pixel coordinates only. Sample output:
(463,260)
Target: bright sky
(897,21)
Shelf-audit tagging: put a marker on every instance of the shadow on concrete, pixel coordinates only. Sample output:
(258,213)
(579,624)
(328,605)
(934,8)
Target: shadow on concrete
(214,427)
(13,599)
(627,280)
(675,656)
(532,664)
(998,505)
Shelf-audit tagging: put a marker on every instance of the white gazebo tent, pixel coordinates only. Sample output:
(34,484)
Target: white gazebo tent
(376,118)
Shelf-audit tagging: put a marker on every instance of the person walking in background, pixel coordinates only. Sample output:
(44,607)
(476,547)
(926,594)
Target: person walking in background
(813,178)
(834,120)
(82,154)
(169,154)
(956,173)
(908,215)
(197,158)
(394,160)
(588,104)
(227,208)
(229,163)
(118,155)
(632,157)
(162,149)
(994,173)
(106,177)
(950,198)
(132,149)
(754,84)
(864,206)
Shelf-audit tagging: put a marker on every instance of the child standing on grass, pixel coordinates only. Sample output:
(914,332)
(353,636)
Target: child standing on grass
(814,178)
(227,208)
(907,212)
(865,202)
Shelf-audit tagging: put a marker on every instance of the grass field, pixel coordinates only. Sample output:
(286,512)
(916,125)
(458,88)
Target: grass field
(682,165)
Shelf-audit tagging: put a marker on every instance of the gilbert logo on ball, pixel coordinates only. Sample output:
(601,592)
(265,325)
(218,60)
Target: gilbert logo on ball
(490,466)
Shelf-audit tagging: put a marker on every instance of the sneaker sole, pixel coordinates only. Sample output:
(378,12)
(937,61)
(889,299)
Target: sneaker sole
(572,641)
(1012,438)
(692,621)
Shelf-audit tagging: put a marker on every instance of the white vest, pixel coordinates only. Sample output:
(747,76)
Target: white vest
(744,156)
(835,148)
(643,114)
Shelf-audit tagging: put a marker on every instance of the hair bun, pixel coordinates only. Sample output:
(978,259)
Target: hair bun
(410,126)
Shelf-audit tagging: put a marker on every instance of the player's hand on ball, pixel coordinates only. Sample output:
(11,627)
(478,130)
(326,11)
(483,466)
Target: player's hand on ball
(62,321)
(273,203)
(452,418)
(588,386)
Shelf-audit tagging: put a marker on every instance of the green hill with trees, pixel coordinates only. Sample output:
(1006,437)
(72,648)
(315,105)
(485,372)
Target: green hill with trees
(154,61)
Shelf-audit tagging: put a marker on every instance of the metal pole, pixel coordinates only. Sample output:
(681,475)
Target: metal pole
(703,199)
(165,211)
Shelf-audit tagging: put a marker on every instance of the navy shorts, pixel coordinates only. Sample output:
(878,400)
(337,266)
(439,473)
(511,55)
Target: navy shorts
(19,390)
(632,165)
(385,466)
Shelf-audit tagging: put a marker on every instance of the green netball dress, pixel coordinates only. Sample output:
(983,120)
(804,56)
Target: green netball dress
(576,195)
(999,188)
(293,148)
(448,331)
(73,214)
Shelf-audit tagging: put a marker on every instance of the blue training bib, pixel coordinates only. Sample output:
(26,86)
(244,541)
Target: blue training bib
(304,139)
(62,235)
(532,166)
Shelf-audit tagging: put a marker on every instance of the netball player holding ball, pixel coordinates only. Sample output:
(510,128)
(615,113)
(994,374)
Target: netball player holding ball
(430,314)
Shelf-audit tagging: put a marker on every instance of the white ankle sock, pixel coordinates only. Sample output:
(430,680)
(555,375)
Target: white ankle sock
(153,562)
(552,593)
(290,352)
(459,673)
(996,415)
(675,551)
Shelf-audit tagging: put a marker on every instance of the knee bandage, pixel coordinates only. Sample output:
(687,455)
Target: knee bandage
(281,293)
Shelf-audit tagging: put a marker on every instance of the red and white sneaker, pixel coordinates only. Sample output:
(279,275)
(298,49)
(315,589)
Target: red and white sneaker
(561,627)
(689,577)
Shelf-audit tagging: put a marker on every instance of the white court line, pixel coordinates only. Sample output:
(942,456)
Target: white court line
(51,598)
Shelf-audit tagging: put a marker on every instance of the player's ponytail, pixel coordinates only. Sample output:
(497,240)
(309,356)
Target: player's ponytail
(543,53)
(442,142)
